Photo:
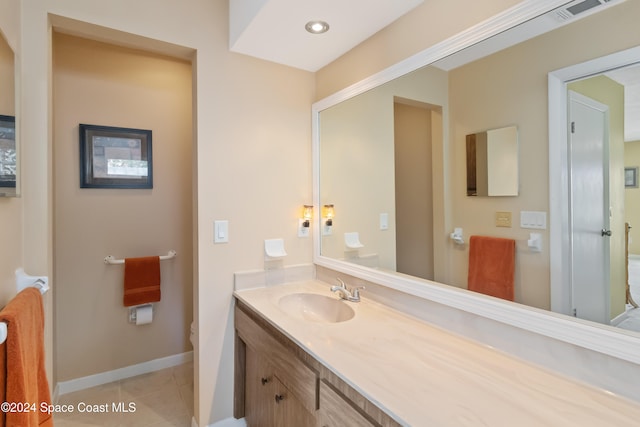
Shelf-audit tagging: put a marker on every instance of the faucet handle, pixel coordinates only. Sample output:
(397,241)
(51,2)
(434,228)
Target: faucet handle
(356,291)
(341,282)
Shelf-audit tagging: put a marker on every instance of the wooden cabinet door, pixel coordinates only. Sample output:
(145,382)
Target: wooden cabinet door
(268,403)
(337,412)
(289,410)
(260,410)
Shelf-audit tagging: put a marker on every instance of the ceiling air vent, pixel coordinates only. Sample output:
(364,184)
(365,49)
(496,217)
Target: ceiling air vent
(576,8)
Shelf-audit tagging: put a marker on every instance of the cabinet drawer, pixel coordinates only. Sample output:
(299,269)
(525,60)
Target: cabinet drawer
(335,411)
(268,402)
(292,372)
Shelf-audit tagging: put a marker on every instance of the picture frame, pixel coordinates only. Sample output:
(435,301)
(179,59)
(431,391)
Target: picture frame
(8,154)
(631,177)
(115,157)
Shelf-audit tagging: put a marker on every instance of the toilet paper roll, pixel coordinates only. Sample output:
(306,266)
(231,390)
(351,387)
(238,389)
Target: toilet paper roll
(144,314)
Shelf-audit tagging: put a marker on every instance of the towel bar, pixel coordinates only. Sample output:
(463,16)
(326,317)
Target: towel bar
(42,287)
(111,259)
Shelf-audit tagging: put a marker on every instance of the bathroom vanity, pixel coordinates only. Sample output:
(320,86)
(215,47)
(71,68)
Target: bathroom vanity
(305,358)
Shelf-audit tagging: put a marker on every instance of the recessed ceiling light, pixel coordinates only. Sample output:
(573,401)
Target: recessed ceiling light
(317,27)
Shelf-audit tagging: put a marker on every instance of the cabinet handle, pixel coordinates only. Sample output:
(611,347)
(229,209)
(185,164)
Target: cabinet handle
(264,380)
(279,398)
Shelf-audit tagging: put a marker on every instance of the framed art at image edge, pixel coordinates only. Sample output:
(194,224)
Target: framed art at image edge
(8,156)
(115,157)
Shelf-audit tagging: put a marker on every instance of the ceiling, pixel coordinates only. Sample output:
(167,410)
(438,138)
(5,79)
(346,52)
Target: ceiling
(274,30)
(629,77)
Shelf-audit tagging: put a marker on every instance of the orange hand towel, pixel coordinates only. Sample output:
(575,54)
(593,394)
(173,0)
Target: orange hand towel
(23,378)
(492,266)
(141,280)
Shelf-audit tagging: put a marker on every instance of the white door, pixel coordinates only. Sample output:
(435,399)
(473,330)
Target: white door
(589,207)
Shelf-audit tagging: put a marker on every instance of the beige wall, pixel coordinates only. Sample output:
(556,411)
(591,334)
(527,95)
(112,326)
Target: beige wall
(360,179)
(7,65)
(429,23)
(96,83)
(413,142)
(10,22)
(361,149)
(252,141)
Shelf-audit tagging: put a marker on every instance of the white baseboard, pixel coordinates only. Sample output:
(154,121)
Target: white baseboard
(229,422)
(55,393)
(619,318)
(70,386)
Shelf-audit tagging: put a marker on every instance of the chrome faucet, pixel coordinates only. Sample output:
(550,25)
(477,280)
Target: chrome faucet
(342,290)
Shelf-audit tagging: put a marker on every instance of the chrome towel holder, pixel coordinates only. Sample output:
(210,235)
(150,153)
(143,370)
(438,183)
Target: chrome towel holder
(110,259)
(24,281)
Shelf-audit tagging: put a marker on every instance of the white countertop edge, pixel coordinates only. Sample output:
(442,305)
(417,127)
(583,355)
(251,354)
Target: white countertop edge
(608,340)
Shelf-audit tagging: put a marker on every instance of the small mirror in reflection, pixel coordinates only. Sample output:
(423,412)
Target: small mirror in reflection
(492,162)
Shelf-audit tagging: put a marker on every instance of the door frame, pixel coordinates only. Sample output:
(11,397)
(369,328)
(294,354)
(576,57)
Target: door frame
(559,219)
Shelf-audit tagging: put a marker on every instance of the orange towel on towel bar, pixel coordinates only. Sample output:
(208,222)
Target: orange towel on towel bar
(23,379)
(141,280)
(492,262)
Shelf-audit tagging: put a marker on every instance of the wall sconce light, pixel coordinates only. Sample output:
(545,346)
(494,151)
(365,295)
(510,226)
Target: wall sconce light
(307,213)
(328,213)
(305,222)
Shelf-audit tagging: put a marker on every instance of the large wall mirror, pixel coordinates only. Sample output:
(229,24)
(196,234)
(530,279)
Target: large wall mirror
(390,156)
(8,149)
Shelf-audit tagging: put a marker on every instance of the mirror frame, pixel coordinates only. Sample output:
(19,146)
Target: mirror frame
(603,339)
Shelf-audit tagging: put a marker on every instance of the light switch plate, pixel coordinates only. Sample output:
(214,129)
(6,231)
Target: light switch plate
(533,219)
(221,231)
(302,230)
(503,219)
(384,221)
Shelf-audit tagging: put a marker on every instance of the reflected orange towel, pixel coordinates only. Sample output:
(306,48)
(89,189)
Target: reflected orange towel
(492,264)
(23,378)
(141,280)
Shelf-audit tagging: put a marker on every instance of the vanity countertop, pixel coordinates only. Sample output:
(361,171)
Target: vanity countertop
(422,375)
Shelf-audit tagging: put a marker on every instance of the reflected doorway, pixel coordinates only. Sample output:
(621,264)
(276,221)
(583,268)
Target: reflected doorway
(613,81)
(416,126)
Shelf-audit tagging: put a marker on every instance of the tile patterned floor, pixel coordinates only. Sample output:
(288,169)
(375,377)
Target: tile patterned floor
(158,399)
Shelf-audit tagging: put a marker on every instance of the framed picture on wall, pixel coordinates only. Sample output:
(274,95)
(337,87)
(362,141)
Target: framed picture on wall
(631,177)
(8,159)
(114,157)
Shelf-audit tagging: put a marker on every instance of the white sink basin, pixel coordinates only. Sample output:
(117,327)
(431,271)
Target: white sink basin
(316,308)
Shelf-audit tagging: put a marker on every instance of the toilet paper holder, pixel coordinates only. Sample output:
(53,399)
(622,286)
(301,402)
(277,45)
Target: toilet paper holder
(133,314)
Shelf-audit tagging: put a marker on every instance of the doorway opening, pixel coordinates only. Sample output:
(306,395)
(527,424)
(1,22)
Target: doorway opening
(607,81)
(416,126)
(113,84)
